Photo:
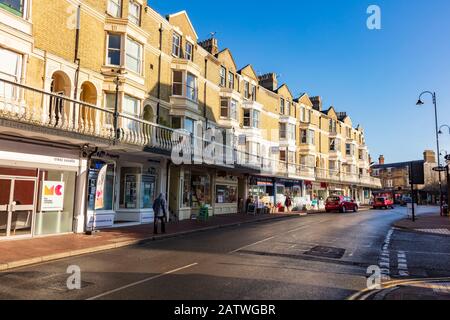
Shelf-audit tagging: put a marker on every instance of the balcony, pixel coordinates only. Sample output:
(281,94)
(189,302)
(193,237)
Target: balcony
(347,178)
(31,112)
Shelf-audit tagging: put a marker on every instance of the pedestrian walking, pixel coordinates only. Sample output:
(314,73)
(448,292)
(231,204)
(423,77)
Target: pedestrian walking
(159,209)
(288,203)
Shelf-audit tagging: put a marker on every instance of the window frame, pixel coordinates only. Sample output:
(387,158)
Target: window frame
(177,46)
(119,6)
(282,106)
(189,54)
(230,80)
(134,19)
(223,77)
(109,49)
(139,59)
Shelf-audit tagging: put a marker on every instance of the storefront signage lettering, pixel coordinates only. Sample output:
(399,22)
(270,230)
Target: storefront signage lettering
(52,196)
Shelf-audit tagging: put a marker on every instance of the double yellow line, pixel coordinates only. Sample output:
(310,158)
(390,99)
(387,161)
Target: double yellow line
(364,294)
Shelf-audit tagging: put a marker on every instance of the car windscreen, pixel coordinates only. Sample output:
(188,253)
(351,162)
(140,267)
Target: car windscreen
(333,199)
(380,199)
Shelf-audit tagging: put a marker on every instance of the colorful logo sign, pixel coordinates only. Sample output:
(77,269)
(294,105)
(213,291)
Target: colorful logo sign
(52,196)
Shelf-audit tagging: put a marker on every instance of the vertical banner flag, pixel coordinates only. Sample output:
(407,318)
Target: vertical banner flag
(100,190)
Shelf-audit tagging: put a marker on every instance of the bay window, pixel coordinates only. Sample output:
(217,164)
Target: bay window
(185,84)
(334,144)
(228,108)
(255,121)
(115,8)
(131,107)
(307,136)
(291,131)
(134,12)
(114,49)
(133,55)
(283,131)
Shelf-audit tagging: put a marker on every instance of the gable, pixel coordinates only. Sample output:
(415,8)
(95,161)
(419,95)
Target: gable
(182,21)
(226,59)
(348,121)
(332,113)
(304,99)
(284,91)
(249,72)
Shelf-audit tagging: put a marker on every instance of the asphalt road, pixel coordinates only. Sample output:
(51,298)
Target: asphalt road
(322,256)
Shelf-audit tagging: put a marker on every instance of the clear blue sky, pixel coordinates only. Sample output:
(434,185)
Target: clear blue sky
(323,47)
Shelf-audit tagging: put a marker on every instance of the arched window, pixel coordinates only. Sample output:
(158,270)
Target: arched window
(59,108)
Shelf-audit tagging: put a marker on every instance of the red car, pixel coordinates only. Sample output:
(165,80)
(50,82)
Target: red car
(383,203)
(341,204)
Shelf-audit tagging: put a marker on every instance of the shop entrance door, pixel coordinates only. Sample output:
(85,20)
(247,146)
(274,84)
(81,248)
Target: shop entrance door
(17,206)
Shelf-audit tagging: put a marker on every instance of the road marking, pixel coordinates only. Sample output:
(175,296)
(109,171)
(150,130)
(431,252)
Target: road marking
(142,281)
(385,258)
(252,244)
(402,264)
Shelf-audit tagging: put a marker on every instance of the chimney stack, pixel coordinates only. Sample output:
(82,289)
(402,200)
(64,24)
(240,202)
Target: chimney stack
(269,81)
(381,160)
(429,156)
(211,45)
(317,103)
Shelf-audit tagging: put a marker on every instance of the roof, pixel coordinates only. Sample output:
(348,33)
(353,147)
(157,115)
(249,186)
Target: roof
(397,165)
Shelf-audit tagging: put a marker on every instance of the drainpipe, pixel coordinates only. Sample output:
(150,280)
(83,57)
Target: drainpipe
(159,74)
(86,192)
(77,61)
(204,95)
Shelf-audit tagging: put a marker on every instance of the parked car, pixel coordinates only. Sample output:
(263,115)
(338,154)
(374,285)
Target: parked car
(383,203)
(341,204)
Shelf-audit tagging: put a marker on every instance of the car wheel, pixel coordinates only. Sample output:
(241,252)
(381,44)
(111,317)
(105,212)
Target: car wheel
(355,209)
(343,210)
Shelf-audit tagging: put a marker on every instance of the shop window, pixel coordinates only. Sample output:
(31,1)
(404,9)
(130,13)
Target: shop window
(187,202)
(226,194)
(147,191)
(201,190)
(131,191)
(108,197)
(49,221)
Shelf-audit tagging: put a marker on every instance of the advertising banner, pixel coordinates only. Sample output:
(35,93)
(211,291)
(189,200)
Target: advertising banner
(100,189)
(52,196)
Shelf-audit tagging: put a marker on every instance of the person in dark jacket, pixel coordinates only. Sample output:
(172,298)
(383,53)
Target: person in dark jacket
(159,208)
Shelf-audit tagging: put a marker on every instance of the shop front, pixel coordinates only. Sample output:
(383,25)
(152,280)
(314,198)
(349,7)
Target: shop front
(121,193)
(262,191)
(37,191)
(226,194)
(289,188)
(319,195)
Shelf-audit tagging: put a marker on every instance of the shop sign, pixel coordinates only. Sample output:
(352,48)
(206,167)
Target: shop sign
(100,189)
(52,196)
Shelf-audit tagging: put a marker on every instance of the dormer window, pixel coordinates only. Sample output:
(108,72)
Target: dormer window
(176,45)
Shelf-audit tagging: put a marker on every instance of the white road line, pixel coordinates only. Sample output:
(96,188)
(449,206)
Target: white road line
(252,244)
(142,281)
(402,264)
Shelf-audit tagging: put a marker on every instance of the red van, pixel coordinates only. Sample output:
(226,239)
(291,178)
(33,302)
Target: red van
(341,204)
(383,203)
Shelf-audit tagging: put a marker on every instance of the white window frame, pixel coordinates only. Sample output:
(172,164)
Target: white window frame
(108,49)
(223,77)
(282,106)
(118,5)
(188,54)
(230,80)
(128,56)
(134,19)
(256,119)
(176,48)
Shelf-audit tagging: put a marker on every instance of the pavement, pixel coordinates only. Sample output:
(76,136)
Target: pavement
(432,223)
(19,253)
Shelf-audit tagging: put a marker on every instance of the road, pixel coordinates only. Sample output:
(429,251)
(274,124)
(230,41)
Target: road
(315,257)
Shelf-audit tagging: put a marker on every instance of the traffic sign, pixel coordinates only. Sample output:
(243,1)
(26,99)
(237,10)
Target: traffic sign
(440,169)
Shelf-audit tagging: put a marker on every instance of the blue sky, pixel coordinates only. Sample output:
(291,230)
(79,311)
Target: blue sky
(323,47)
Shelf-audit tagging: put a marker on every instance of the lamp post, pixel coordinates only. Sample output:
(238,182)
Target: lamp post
(447,158)
(420,103)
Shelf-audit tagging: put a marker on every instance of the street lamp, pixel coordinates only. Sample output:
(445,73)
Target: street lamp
(421,103)
(444,126)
